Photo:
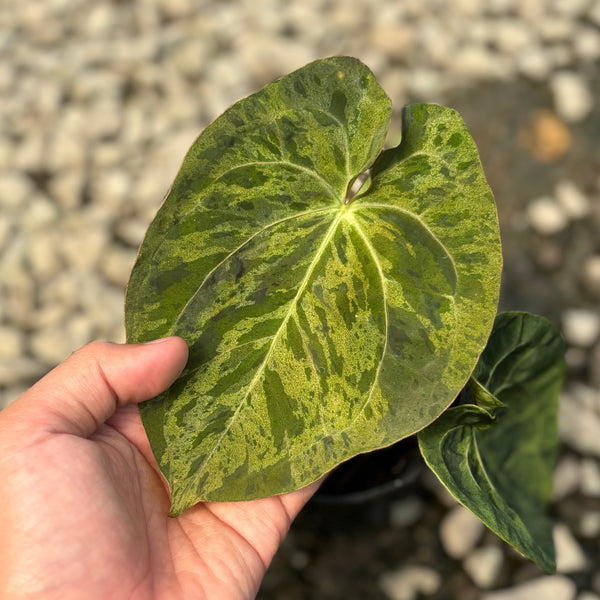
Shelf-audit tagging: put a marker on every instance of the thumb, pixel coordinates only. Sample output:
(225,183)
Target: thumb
(87,388)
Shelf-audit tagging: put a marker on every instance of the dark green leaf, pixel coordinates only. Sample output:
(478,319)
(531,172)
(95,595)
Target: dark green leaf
(497,456)
(318,328)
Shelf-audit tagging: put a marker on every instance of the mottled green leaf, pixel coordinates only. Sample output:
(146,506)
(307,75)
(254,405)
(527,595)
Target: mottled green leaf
(318,327)
(496,456)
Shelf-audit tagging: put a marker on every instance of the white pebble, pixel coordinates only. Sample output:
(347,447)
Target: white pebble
(483,566)
(534,62)
(587,44)
(572,98)
(579,419)
(54,344)
(573,201)
(567,477)
(589,524)
(546,216)
(410,583)
(570,558)
(15,190)
(460,530)
(553,587)
(591,274)
(581,327)
(590,478)
(12,343)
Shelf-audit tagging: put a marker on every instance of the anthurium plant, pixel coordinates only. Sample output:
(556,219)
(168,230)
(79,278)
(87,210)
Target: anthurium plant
(337,297)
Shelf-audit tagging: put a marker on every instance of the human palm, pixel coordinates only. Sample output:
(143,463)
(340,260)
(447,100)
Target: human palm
(84,510)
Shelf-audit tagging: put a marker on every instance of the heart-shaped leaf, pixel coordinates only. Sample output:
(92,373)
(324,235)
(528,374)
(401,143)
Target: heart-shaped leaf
(320,325)
(497,455)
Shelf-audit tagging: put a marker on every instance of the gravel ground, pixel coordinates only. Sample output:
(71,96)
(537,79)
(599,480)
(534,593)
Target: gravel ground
(100,101)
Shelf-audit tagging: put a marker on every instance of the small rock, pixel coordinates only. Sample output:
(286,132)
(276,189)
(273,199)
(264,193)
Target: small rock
(589,524)
(581,327)
(131,231)
(460,530)
(477,62)
(595,367)
(579,419)
(591,274)
(393,39)
(590,478)
(406,512)
(15,190)
(567,478)
(553,587)
(54,344)
(484,565)
(572,98)
(116,265)
(573,201)
(83,247)
(67,188)
(587,44)
(534,62)
(546,137)
(546,216)
(24,369)
(512,35)
(409,583)
(569,555)
(587,596)
(12,343)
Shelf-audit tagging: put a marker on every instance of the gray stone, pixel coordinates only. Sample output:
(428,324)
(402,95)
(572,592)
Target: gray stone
(570,558)
(409,583)
(553,587)
(460,530)
(484,565)
(406,512)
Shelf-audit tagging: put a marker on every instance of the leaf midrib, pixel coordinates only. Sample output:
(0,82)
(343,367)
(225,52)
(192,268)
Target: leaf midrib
(301,288)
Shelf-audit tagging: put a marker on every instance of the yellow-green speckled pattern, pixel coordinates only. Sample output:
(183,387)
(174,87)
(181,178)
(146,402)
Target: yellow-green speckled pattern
(318,328)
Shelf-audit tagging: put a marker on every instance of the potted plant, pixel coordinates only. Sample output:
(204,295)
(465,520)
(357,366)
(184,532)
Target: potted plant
(326,322)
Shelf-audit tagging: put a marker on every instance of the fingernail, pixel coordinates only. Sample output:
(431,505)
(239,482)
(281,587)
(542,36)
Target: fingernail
(158,341)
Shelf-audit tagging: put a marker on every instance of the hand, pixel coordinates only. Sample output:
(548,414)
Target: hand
(84,509)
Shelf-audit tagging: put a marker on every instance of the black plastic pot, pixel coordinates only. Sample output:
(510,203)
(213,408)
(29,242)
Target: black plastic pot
(373,475)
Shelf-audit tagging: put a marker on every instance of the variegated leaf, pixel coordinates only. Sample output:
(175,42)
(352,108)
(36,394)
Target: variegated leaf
(318,327)
(497,455)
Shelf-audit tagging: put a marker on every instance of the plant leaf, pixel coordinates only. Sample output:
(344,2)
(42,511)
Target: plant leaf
(497,456)
(318,327)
